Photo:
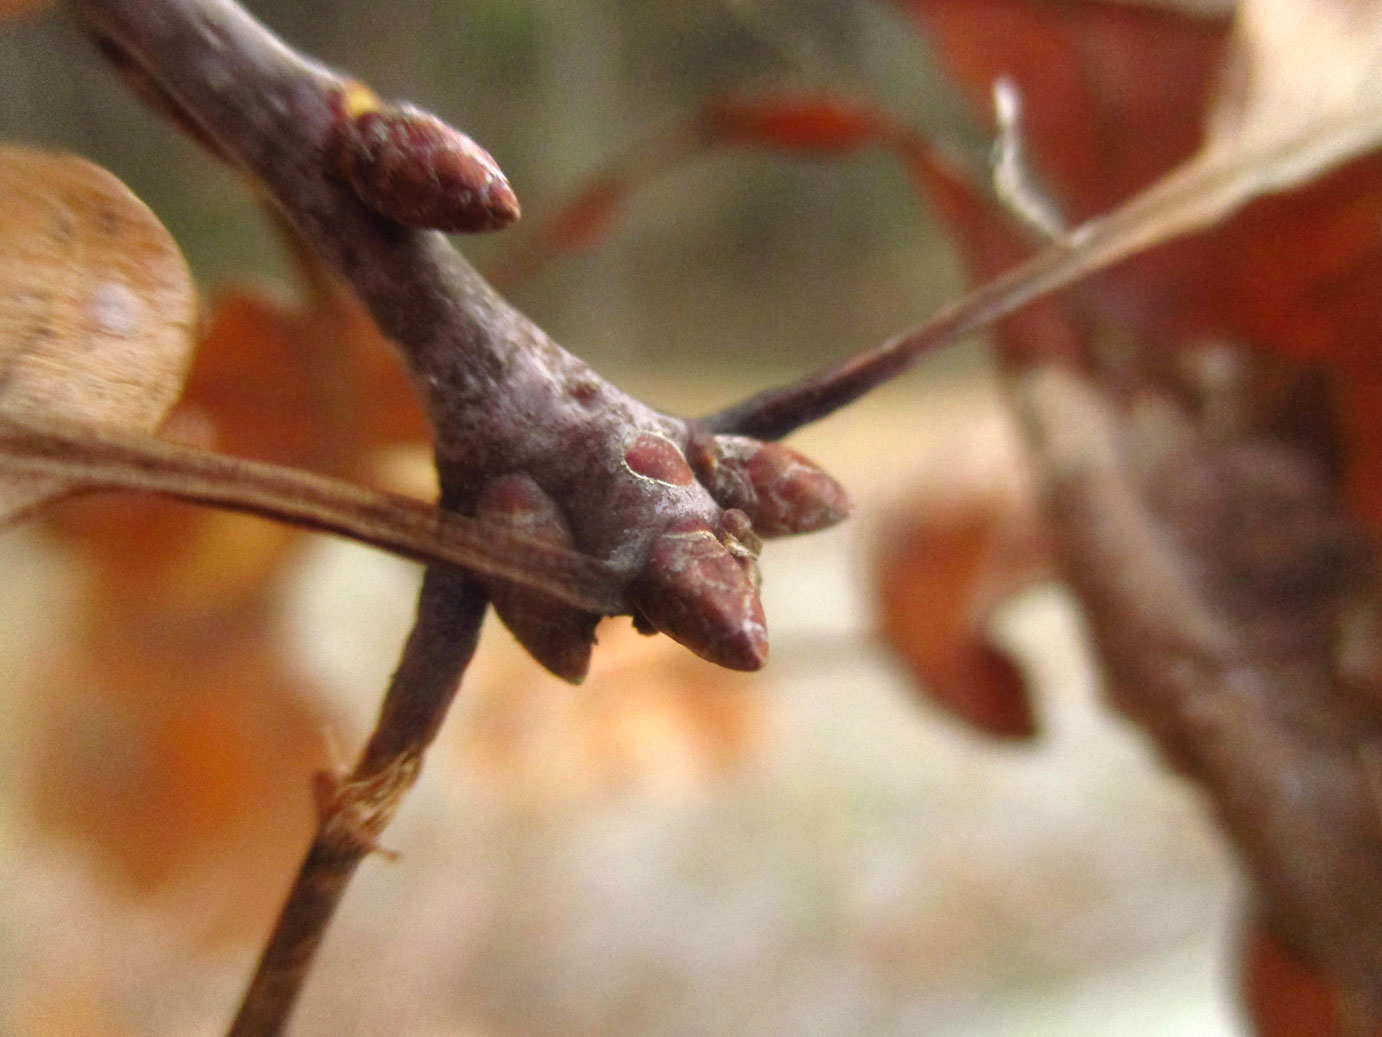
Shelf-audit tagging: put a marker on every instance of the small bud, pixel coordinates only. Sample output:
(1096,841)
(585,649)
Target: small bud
(556,635)
(781,491)
(410,166)
(697,593)
(650,455)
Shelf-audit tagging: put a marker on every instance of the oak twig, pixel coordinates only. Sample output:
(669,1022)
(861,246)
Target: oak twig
(639,511)
(352,810)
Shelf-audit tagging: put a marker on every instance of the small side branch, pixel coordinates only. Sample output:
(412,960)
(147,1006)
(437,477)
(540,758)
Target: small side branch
(774,413)
(355,809)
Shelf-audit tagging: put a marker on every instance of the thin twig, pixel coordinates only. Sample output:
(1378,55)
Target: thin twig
(774,413)
(355,809)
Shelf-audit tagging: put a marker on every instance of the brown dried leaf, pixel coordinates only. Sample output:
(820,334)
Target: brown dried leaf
(96,305)
(1282,997)
(191,788)
(942,570)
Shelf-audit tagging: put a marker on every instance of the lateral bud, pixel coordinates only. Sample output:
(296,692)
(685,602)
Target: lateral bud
(696,591)
(556,635)
(781,491)
(412,167)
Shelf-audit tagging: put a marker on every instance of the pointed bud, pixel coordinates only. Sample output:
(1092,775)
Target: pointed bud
(781,491)
(556,635)
(410,166)
(696,592)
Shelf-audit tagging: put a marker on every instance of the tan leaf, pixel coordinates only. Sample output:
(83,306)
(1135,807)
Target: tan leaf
(1299,89)
(96,305)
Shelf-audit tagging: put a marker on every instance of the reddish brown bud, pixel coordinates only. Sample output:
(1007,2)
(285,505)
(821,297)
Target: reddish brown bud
(781,491)
(410,166)
(740,540)
(696,592)
(653,456)
(556,635)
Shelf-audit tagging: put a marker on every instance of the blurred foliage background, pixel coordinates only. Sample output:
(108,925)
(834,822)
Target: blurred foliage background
(734,257)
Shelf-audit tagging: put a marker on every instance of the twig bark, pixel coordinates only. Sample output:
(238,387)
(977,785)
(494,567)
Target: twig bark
(505,400)
(354,809)
(279,117)
(607,471)
(501,395)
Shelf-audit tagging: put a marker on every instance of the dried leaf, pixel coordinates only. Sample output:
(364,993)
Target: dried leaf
(314,384)
(311,384)
(1113,95)
(1229,598)
(178,755)
(1261,141)
(941,571)
(1299,92)
(1283,997)
(96,305)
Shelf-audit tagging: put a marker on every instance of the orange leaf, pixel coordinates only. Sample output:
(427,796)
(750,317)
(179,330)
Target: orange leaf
(178,756)
(1113,94)
(312,386)
(1297,274)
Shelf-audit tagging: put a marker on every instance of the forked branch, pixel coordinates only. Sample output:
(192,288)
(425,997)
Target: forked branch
(527,436)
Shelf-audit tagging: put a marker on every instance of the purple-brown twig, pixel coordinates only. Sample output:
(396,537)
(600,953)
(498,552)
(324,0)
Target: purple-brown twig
(524,431)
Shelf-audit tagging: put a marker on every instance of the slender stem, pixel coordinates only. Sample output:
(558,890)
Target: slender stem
(1187,200)
(774,413)
(354,810)
(85,457)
